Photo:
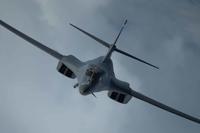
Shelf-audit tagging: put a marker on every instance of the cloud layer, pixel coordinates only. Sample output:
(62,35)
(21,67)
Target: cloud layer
(34,97)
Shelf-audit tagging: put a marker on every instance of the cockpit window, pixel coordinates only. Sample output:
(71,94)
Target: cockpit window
(93,73)
(89,72)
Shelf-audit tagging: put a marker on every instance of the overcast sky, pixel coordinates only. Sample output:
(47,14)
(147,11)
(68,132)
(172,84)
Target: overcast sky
(35,98)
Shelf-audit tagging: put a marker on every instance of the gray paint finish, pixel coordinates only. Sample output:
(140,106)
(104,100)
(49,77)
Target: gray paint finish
(58,108)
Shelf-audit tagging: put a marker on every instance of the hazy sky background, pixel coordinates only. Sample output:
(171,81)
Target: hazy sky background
(35,98)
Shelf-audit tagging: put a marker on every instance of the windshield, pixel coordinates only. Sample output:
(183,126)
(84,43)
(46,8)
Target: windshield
(93,73)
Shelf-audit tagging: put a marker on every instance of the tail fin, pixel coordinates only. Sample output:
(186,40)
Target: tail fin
(133,57)
(112,47)
(92,36)
(125,22)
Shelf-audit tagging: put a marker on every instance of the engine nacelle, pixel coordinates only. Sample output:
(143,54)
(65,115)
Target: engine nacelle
(63,69)
(119,97)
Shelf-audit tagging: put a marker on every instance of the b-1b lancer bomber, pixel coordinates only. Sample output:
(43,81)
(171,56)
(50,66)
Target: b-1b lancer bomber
(97,74)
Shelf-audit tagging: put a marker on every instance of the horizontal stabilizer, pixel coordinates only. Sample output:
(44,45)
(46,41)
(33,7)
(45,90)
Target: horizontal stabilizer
(131,56)
(112,47)
(92,36)
(32,41)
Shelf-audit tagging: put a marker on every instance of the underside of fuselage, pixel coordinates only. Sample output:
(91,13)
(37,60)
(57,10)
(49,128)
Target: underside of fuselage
(95,76)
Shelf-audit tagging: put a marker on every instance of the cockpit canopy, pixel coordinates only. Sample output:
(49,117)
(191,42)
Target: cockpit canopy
(93,72)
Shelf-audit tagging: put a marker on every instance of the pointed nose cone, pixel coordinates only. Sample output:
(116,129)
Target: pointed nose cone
(83,89)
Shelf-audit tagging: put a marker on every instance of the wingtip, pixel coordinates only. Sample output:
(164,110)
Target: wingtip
(154,66)
(72,25)
(157,67)
(1,21)
(125,21)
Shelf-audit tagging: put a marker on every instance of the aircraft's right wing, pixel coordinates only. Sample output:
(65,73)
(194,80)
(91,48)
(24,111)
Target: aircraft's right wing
(32,41)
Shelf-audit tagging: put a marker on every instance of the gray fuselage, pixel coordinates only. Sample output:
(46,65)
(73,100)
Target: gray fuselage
(95,75)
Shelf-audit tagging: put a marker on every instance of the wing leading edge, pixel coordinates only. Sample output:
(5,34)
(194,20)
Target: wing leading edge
(163,106)
(32,41)
(125,88)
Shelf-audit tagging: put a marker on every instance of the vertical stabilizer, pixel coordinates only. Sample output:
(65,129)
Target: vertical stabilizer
(113,47)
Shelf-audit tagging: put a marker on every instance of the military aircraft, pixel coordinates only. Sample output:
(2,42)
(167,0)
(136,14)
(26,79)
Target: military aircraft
(97,74)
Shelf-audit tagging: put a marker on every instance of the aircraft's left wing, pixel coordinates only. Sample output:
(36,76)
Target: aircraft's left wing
(163,106)
(32,41)
(126,89)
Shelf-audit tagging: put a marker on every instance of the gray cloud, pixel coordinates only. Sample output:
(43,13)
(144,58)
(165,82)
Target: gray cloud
(35,98)
(166,33)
